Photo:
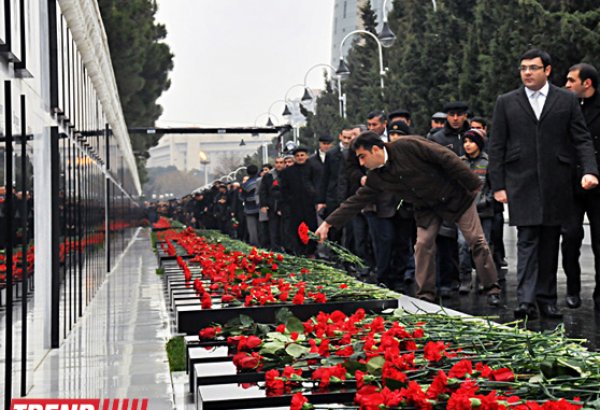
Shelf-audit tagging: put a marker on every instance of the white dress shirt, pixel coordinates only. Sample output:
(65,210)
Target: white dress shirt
(537,99)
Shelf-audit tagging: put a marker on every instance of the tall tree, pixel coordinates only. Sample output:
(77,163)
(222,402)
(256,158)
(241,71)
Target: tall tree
(141,62)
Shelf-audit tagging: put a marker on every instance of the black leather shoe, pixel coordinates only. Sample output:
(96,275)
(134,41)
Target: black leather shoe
(493,299)
(525,310)
(573,302)
(550,311)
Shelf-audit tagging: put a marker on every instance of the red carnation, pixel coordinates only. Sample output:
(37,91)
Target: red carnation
(298,402)
(433,351)
(303,233)
(461,369)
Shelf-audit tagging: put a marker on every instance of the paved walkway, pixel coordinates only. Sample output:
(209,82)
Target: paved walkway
(117,350)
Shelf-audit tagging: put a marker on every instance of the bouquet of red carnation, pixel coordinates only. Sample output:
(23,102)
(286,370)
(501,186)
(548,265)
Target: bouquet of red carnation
(344,254)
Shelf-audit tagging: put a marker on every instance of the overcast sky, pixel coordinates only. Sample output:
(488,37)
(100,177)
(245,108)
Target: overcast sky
(234,58)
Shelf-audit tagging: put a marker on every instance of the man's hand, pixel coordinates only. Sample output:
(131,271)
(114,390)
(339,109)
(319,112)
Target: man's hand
(589,181)
(363,180)
(323,231)
(321,206)
(501,196)
(264,209)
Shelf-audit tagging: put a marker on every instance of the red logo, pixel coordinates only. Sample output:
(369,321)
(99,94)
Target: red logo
(79,404)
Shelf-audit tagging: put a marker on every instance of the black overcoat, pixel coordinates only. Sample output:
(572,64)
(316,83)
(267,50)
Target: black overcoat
(532,160)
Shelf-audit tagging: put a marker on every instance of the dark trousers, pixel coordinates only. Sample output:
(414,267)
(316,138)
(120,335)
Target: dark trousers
(361,238)
(447,262)
(572,237)
(537,262)
(405,235)
(382,232)
(263,234)
(497,238)
(275,228)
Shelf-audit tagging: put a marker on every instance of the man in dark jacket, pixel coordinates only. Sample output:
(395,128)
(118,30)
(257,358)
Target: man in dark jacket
(450,136)
(536,129)
(582,80)
(327,198)
(249,195)
(270,202)
(440,187)
(317,160)
(299,200)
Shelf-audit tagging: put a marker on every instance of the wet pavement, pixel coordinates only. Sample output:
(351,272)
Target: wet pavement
(581,323)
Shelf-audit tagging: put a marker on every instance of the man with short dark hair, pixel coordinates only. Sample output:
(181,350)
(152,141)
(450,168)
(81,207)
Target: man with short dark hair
(536,130)
(582,80)
(377,122)
(440,187)
(479,123)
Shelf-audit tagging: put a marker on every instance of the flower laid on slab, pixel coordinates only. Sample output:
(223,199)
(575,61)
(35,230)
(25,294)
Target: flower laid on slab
(426,361)
(242,276)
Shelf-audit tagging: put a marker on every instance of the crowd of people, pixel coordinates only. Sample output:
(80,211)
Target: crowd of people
(429,209)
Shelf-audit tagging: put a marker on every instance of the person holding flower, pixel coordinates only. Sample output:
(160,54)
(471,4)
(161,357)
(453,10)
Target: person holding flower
(440,187)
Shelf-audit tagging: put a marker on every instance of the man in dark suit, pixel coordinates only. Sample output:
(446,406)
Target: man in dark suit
(536,129)
(327,198)
(298,200)
(269,195)
(440,187)
(582,80)
(317,160)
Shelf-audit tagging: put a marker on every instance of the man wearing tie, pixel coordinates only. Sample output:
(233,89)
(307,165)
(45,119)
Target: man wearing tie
(539,134)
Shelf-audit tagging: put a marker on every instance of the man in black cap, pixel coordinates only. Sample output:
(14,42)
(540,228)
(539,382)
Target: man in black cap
(400,114)
(456,124)
(299,199)
(450,136)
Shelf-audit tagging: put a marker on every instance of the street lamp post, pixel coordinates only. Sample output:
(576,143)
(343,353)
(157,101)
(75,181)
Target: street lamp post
(295,131)
(204,161)
(386,35)
(343,68)
(341,97)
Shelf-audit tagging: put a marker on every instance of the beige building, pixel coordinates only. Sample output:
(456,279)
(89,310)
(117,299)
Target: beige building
(184,150)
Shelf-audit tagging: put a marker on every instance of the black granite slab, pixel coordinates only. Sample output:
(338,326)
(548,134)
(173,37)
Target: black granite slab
(236,396)
(191,319)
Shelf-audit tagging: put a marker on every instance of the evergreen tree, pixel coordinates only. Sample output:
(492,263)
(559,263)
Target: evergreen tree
(141,62)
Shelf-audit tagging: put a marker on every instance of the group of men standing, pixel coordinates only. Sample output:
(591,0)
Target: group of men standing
(422,208)
(543,162)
